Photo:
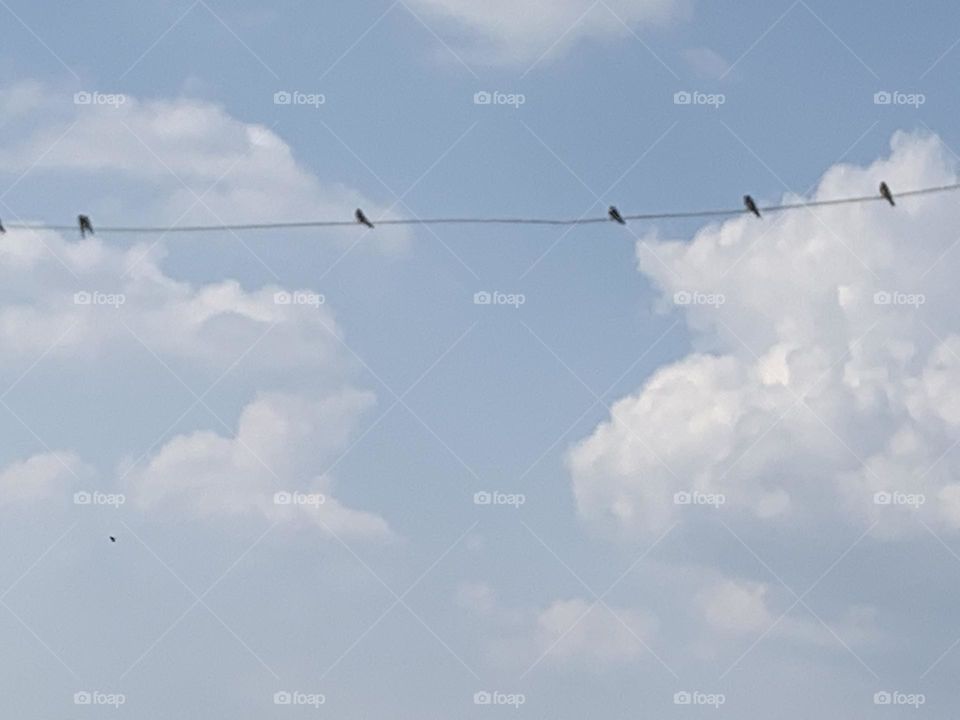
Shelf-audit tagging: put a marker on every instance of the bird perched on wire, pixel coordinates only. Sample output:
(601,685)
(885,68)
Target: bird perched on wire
(615,215)
(885,191)
(85,225)
(751,205)
(362,219)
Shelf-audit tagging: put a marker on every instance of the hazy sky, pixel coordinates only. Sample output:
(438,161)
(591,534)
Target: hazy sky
(671,469)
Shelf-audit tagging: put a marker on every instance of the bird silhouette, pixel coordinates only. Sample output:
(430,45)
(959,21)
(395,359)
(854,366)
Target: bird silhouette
(885,191)
(615,215)
(85,225)
(112,539)
(3,230)
(362,219)
(751,205)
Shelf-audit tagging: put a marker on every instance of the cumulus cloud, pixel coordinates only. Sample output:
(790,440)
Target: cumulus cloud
(523,31)
(40,477)
(572,632)
(575,632)
(84,298)
(743,610)
(819,385)
(187,161)
(101,305)
(282,444)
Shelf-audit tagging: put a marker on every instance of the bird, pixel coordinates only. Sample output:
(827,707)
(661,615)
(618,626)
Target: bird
(615,215)
(362,219)
(751,205)
(885,191)
(85,225)
(112,539)
(3,230)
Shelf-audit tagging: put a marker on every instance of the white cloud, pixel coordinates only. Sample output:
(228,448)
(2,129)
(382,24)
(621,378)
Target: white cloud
(804,393)
(741,610)
(282,444)
(521,31)
(735,608)
(213,323)
(169,152)
(40,477)
(108,305)
(572,631)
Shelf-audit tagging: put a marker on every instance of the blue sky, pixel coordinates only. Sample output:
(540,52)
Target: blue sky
(161,374)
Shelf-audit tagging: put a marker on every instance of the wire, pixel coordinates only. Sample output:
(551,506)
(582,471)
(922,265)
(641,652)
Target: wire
(491,221)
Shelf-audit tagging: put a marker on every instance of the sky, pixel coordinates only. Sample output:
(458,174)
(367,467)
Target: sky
(675,468)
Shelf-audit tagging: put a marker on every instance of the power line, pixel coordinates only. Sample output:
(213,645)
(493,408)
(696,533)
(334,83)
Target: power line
(786,207)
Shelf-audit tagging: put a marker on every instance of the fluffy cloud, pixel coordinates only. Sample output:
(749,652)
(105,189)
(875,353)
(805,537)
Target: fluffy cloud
(521,31)
(569,632)
(573,631)
(281,445)
(741,610)
(40,477)
(819,382)
(104,306)
(184,160)
(93,297)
